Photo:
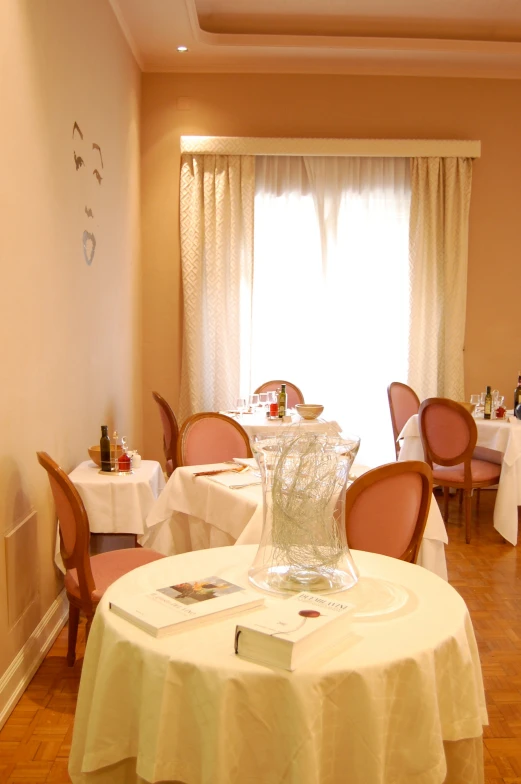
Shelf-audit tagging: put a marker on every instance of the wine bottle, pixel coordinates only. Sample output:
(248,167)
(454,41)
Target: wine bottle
(282,401)
(487,413)
(104,448)
(517,392)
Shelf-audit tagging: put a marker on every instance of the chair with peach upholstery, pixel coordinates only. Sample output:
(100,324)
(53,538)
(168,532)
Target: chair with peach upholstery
(449,434)
(170,433)
(293,393)
(403,404)
(87,577)
(386,509)
(211,438)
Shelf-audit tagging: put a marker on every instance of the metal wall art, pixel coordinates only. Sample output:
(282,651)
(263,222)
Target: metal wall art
(89,239)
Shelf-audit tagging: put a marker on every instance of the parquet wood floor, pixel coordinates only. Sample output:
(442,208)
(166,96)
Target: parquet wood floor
(35,741)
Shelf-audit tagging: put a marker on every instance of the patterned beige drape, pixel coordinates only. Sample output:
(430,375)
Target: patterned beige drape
(216,217)
(438,248)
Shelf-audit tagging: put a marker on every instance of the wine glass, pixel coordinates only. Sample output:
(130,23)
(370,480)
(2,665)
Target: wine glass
(254,401)
(240,404)
(474,401)
(263,399)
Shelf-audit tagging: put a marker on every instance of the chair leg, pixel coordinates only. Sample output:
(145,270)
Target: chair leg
(468,514)
(446,504)
(478,496)
(74,619)
(461,496)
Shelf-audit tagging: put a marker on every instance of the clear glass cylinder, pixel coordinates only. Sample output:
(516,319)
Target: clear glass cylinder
(303,545)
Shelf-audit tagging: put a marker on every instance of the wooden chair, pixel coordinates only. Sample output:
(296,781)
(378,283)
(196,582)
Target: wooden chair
(449,434)
(403,404)
(386,509)
(170,433)
(87,577)
(293,393)
(211,438)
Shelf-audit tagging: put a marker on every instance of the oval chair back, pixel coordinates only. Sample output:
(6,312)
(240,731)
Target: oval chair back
(170,432)
(293,393)
(386,509)
(73,524)
(211,438)
(403,404)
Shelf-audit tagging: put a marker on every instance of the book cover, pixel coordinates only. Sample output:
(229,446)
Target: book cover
(183,605)
(294,630)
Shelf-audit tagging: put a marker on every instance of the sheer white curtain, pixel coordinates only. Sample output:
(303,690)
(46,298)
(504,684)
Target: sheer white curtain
(216,216)
(331,286)
(438,255)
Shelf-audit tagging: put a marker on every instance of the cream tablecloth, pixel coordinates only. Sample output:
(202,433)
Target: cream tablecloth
(501,435)
(401,698)
(193,514)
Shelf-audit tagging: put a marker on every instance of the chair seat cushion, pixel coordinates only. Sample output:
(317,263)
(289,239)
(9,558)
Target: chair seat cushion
(108,567)
(482,471)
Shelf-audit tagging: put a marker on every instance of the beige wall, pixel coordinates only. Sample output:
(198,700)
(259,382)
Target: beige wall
(70,357)
(343,106)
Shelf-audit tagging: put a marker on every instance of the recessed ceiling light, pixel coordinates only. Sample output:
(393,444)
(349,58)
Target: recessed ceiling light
(182,48)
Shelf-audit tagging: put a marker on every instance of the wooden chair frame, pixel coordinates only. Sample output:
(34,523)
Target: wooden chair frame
(270,386)
(170,450)
(78,558)
(465,457)
(397,430)
(185,428)
(388,471)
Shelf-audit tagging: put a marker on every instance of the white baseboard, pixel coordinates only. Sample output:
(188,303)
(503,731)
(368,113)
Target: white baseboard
(17,676)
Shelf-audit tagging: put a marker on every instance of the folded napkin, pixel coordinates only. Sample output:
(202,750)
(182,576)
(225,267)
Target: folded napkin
(236,480)
(246,461)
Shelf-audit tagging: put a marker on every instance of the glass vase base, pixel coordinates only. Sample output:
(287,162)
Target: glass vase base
(286,579)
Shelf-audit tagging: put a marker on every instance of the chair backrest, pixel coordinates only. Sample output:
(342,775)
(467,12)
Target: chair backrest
(293,393)
(170,432)
(448,433)
(211,438)
(403,404)
(74,525)
(386,509)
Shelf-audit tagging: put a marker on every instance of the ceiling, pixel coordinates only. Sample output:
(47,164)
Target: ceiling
(474,38)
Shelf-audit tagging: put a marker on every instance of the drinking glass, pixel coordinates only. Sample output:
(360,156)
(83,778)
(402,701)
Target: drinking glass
(263,399)
(272,397)
(240,404)
(474,401)
(254,400)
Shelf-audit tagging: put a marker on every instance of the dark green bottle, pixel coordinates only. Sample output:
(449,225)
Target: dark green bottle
(488,405)
(104,447)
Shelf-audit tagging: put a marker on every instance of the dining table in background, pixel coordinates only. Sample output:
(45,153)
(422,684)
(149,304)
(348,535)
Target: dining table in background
(116,503)
(194,513)
(257,423)
(400,700)
(504,437)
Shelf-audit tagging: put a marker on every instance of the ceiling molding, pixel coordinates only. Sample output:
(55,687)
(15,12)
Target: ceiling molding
(380,148)
(155,28)
(118,13)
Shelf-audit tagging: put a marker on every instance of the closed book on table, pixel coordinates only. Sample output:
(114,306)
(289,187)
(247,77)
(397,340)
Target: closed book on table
(175,608)
(294,630)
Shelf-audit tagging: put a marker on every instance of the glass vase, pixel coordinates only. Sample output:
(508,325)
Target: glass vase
(303,545)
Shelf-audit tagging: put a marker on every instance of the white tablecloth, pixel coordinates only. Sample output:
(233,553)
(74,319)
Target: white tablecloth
(259,424)
(498,434)
(193,514)
(404,687)
(118,504)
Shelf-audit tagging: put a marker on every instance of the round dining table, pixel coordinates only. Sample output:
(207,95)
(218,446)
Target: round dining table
(401,701)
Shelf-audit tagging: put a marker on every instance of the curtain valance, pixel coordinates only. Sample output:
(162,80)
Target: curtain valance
(380,148)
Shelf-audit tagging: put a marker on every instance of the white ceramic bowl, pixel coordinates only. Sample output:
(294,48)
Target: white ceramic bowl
(309,410)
